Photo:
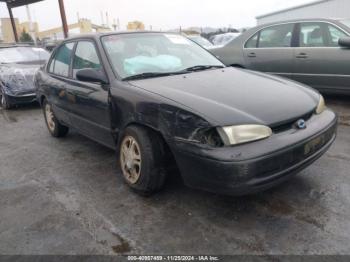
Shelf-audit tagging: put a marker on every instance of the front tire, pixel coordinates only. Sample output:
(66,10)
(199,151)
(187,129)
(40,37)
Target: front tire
(55,128)
(141,159)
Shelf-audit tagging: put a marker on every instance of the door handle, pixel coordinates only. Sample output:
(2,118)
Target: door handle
(302,55)
(252,54)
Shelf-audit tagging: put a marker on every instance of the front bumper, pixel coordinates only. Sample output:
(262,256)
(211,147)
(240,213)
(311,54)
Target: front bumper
(22,99)
(256,166)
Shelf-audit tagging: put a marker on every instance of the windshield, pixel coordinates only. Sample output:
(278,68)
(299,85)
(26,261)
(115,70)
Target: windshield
(22,54)
(201,41)
(346,22)
(134,54)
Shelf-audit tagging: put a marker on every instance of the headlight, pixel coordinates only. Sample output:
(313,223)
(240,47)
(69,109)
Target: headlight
(321,105)
(234,135)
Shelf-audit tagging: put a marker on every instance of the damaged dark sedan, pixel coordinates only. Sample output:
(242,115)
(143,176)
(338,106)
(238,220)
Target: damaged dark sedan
(159,98)
(18,65)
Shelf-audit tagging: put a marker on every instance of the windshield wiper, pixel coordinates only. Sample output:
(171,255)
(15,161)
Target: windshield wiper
(159,74)
(201,67)
(150,75)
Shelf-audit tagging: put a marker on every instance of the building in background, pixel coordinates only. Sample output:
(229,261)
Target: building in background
(6,30)
(25,27)
(135,25)
(83,26)
(315,9)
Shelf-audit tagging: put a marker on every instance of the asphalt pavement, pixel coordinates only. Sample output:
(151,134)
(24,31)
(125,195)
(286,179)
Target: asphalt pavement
(66,196)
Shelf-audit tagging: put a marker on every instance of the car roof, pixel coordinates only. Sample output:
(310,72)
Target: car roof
(332,20)
(98,35)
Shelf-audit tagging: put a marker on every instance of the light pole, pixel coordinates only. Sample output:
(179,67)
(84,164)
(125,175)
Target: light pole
(31,27)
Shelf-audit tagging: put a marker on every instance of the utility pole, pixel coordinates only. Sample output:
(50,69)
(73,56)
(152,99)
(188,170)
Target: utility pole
(13,23)
(63,18)
(102,19)
(31,27)
(114,25)
(107,20)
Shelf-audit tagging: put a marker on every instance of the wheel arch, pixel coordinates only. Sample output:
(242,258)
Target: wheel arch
(138,124)
(41,100)
(155,131)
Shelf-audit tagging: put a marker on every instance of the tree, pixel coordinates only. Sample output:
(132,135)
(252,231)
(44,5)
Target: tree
(25,37)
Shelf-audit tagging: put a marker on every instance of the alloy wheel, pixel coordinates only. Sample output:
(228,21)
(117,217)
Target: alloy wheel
(130,159)
(50,118)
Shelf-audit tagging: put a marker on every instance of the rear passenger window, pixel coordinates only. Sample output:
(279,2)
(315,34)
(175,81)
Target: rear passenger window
(61,62)
(85,57)
(276,36)
(252,42)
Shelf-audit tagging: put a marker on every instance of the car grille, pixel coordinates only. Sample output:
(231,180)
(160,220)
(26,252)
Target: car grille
(290,123)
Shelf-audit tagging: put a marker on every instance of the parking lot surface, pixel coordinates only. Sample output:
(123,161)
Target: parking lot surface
(66,196)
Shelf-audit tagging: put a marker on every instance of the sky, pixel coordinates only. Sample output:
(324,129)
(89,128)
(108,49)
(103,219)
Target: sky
(160,14)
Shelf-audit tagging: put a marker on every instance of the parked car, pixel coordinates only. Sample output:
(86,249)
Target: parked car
(223,39)
(315,52)
(157,97)
(18,65)
(50,45)
(201,41)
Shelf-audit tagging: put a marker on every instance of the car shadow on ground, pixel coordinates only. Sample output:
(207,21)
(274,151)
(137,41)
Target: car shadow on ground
(291,198)
(10,115)
(341,105)
(249,222)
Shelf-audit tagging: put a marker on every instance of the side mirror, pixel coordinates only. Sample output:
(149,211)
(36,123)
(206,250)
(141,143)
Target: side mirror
(91,75)
(344,42)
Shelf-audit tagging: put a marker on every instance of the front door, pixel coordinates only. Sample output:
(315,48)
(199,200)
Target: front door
(319,61)
(89,101)
(270,50)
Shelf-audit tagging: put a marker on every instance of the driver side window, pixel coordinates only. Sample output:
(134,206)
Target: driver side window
(334,35)
(278,36)
(85,57)
(319,35)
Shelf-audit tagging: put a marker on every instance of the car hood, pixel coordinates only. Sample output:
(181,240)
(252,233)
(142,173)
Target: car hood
(233,96)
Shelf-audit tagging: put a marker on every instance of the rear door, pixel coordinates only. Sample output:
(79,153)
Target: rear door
(319,61)
(270,50)
(59,73)
(89,101)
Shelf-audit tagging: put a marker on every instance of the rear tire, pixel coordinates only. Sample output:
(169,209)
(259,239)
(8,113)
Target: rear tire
(141,159)
(55,128)
(4,103)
